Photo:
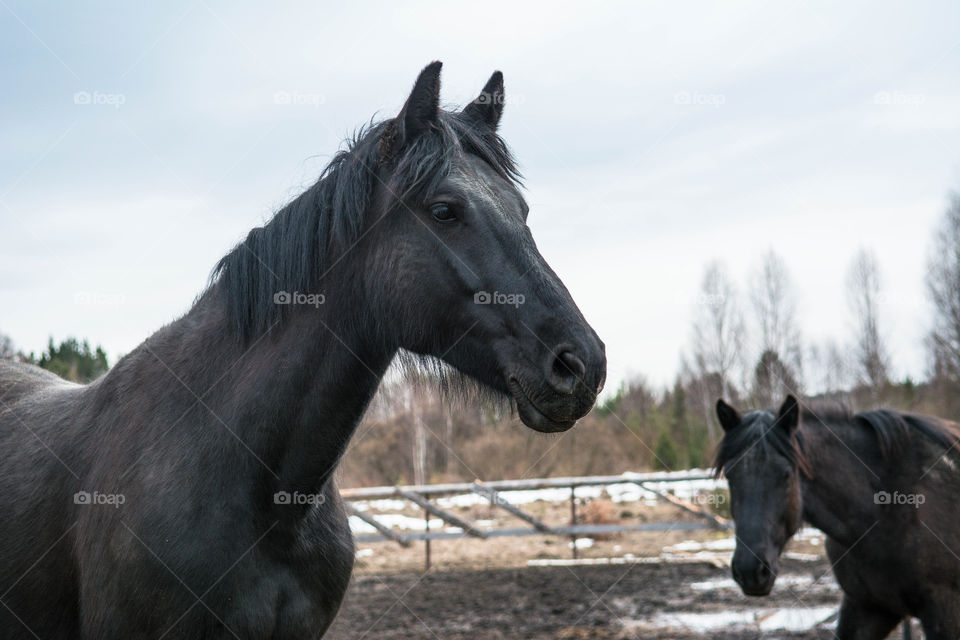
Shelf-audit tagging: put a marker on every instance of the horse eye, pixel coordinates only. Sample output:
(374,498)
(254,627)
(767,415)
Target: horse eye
(442,212)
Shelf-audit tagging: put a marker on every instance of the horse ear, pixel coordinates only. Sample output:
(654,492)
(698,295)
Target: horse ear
(788,417)
(419,113)
(487,108)
(421,109)
(729,417)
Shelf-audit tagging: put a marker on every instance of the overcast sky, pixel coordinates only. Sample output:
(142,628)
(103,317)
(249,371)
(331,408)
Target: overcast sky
(140,141)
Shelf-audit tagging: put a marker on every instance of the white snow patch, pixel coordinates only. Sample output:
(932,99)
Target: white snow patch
(792,580)
(723,544)
(787,619)
(395,521)
(581,543)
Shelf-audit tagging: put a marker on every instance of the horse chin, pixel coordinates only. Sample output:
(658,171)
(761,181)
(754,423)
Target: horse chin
(757,591)
(532,416)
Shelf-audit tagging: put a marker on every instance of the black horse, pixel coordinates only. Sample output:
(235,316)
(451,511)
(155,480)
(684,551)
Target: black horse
(188,493)
(884,487)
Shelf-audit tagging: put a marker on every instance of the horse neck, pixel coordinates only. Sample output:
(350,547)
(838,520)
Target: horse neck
(287,401)
(838,495)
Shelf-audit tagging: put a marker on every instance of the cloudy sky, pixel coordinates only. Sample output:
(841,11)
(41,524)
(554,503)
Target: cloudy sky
(139,142)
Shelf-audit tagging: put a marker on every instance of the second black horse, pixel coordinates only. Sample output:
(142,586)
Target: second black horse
(884,487)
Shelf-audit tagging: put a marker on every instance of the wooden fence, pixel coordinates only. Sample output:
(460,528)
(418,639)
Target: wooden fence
(425,497)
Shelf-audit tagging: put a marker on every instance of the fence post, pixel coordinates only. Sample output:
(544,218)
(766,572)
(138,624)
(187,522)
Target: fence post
(573,519)
(426,542)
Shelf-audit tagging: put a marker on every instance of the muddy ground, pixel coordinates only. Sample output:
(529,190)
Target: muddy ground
(487,590)
(580,602)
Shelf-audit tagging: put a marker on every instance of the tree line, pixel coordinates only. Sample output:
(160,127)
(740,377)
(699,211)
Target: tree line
(71,359)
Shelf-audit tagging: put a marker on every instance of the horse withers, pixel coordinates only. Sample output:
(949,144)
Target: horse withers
(188,493)
(884,487)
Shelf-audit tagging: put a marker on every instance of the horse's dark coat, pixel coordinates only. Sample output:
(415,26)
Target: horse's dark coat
(188,493)
(882,485)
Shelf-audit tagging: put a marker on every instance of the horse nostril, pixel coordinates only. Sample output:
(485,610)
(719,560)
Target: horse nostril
(567,370)
(763,573)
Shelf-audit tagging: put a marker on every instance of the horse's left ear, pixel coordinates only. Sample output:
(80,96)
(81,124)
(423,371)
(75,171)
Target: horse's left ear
(487,108)
(788,417)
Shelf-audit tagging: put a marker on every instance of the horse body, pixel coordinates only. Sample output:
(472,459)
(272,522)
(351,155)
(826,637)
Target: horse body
(891,560)
(36,566)
(881,485)
(196,548)
(189,493)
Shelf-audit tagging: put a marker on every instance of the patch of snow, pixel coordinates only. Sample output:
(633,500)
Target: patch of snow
(395,521)
(786,619)
(793,580)
(581,543)
(723,544)
(796,619)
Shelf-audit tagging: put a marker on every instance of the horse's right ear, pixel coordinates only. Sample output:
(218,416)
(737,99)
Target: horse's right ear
(729,417)
(419,113)
(487,108)
(788,417)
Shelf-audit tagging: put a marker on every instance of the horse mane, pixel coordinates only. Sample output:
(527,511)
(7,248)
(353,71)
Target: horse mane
(894,432)
(291,251)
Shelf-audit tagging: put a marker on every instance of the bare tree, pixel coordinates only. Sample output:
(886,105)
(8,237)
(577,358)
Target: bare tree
(416,405)
(779,365)
(7,350)
(943,287)
(863,294)
(718,332)
(829,368)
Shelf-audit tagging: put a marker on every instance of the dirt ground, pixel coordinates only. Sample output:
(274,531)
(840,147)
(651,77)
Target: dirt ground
(488,590)
(581,602)
(574,603)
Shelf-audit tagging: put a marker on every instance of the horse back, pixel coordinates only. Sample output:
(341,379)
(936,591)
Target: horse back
(37,467)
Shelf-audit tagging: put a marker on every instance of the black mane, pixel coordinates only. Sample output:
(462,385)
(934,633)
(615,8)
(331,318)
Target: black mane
(291,251)
(894,432)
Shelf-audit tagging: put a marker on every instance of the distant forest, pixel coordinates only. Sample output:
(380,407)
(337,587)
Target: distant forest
(744,346)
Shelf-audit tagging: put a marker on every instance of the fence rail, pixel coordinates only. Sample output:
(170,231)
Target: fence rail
(425,497)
